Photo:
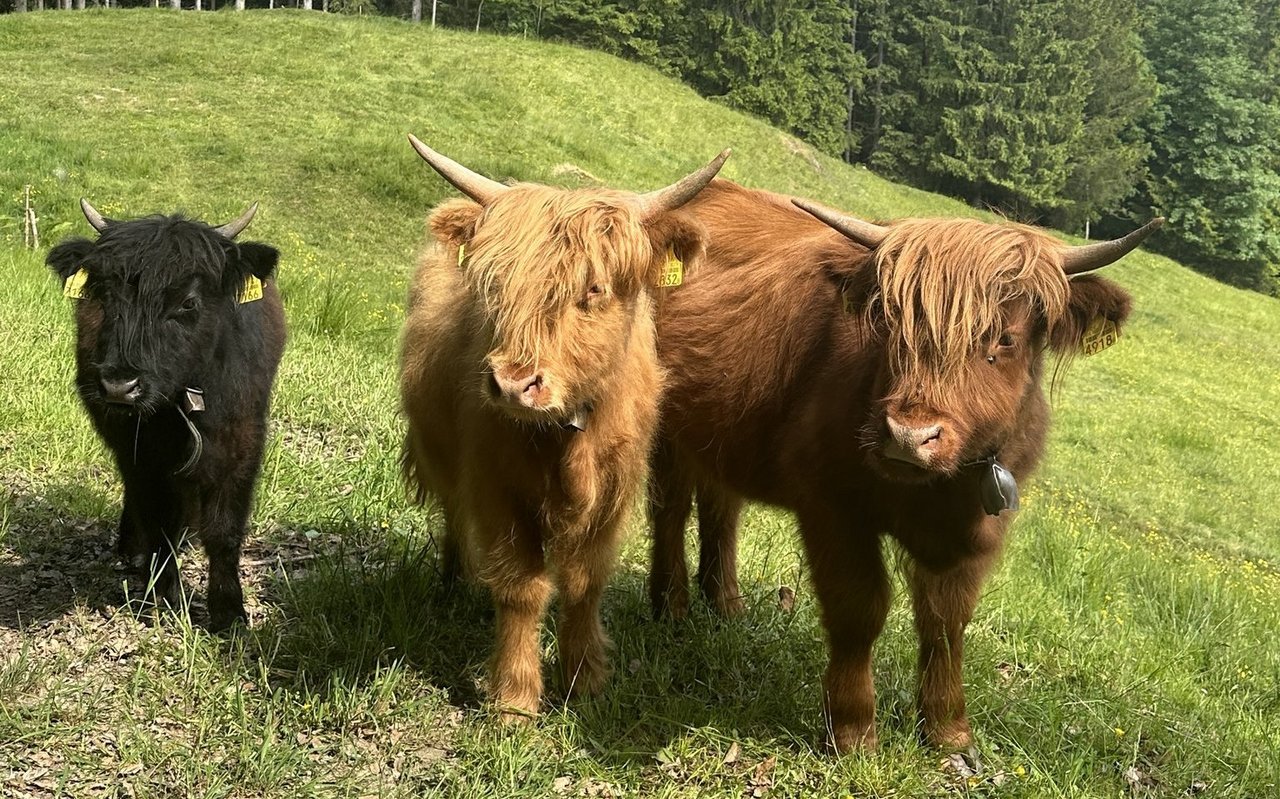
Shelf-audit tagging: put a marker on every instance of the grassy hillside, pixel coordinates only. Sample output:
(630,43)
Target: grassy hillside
(1126,647)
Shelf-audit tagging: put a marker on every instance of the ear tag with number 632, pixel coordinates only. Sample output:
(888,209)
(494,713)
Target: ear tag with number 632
(672,271)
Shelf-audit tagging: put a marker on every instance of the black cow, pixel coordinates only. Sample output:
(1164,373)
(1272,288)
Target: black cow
(179,330)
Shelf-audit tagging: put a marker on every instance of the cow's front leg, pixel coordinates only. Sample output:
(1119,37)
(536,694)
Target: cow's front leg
(150,524)
(718,512)
(515,573)
(853,591)
(131,545)
(943,603)
(670,500)
(583,573)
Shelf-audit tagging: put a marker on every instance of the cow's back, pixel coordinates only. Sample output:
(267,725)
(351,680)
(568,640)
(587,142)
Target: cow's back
(761,358)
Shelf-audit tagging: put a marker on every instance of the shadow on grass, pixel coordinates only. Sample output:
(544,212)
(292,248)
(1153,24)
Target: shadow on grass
(338,605)
(354,614)
(358,609)
(51,559)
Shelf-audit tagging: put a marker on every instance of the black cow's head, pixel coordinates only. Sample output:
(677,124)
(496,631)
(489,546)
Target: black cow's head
(155,298)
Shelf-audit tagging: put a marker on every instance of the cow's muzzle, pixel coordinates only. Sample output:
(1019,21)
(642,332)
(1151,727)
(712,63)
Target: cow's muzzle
(121,392)
(916,445)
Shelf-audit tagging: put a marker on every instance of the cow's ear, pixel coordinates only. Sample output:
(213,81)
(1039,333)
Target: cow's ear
(454,222)
(258,260)
(679,243)
(1091,298)
(852,269)
(68,257)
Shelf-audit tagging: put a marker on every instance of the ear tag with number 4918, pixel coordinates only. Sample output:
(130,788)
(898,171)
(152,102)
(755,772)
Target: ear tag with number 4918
(1101,333)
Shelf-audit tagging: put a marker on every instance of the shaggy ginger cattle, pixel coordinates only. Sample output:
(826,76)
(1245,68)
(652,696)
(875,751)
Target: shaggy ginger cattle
(179,330)
(530,383)
(886,381)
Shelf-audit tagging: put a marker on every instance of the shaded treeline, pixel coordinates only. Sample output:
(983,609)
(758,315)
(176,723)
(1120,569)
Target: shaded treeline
(1073,113)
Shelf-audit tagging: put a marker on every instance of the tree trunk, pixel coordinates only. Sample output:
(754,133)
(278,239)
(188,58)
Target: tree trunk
(415,11)
(239,5)
(39,5)
(198,6)
(176,5)
(79,5)
(306,5)
(848,110)
(324,6)
(433,14)
(479,8)
(19,6)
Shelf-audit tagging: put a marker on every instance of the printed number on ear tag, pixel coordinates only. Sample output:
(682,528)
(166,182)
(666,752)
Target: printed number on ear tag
(74,287)
(1102,333)
(672,271)
(252,290)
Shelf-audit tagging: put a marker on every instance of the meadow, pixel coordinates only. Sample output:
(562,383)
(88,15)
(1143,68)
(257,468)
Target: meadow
(1126,647)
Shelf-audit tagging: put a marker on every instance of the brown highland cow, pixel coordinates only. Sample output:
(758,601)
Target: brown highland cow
(530,379)
(874,381)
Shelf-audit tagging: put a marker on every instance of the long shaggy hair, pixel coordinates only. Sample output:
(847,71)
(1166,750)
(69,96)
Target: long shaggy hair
(943,285)
(561,240)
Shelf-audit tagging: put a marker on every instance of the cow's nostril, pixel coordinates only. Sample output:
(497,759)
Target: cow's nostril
(123,391)
(533,385)
(931,435)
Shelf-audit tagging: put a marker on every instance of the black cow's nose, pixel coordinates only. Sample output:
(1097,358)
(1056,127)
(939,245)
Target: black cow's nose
(124,392)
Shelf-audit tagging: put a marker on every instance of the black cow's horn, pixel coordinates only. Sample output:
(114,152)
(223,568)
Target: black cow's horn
(683,190)
(234,227)
(867,234)
(476,186)
(95,219)
(1087,257)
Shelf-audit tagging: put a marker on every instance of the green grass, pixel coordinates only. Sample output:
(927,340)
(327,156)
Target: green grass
(1127,647)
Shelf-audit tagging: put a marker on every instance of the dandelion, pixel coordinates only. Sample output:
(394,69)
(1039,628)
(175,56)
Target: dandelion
(1119,732)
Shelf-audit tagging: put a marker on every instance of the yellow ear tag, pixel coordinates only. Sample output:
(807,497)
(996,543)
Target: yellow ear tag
(672,271)
(252,290)
(74,287)
(846,301)
(462,252)
(1101,333)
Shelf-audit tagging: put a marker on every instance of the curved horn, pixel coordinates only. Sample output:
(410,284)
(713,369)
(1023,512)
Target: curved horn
(1087,257)
(476,186)
(233,228)
(683,190)
(95,219)
(867,234)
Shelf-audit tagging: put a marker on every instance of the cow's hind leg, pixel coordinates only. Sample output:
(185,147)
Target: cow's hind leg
(718,512)
(853,590)
(670,500)
(451,551)
(223,514)
(943,603)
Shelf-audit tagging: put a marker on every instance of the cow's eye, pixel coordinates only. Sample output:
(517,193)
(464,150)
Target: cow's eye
(594,293)
(188,305)
(1006,340)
